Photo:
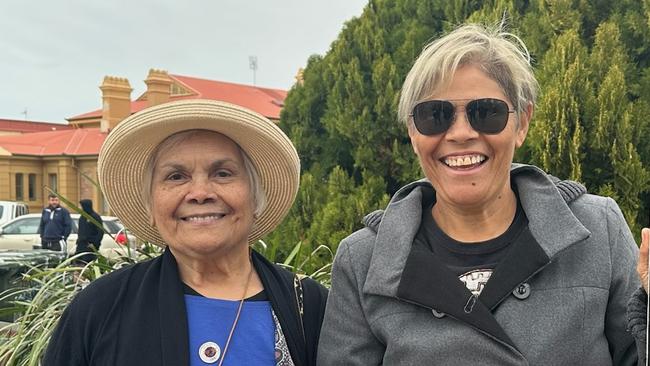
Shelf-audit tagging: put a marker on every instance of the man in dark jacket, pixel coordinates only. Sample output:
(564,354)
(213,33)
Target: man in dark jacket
(55,225)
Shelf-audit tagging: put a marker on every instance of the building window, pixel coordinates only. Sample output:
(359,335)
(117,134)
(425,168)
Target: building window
(31,187)
(19,187)
(53,183)
(177,90)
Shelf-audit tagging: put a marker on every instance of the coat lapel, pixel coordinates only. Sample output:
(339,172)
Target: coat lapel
(551,221)
(395,234)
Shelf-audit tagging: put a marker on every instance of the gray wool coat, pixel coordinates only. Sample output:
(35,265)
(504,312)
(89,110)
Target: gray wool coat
(558,299)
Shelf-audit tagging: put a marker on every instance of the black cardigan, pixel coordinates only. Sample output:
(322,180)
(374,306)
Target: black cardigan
(136,316)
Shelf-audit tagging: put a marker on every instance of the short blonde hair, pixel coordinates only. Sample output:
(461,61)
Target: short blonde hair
(257,191)
(500,55)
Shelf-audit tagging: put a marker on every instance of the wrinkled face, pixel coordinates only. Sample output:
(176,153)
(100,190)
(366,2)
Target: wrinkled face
(468,168)
(201,198)
(53,201)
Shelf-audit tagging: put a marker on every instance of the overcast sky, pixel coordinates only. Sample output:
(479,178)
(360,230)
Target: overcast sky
(55,54)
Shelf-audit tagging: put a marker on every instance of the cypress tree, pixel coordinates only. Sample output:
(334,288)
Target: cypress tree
(556,135)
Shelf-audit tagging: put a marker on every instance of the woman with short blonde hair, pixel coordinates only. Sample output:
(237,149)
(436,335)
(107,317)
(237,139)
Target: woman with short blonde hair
(483,262)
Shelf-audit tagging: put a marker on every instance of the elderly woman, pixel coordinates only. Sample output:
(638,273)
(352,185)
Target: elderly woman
(205,179)
(483,262)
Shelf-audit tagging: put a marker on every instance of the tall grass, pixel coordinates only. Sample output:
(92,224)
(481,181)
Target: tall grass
(316,263)
(38,308)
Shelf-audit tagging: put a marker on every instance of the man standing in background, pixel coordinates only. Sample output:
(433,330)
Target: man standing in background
(55,225)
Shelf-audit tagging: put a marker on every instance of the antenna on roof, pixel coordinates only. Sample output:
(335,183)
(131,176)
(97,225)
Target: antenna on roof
(24,113)
(252,64)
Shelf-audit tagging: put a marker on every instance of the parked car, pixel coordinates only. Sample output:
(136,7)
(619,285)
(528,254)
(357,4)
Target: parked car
(9,210)
(22,233)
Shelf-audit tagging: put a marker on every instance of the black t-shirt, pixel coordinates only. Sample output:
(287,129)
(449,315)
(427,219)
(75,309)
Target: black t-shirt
(260,296)
(473,263)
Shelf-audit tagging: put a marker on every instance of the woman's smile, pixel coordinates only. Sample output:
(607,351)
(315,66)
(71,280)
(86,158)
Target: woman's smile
(202,219)
(464,161)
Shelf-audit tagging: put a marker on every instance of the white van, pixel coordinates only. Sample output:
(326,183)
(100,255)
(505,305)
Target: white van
(9,210)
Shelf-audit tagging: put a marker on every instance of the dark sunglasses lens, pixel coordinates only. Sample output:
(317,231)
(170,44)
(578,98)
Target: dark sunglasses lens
(433,117)
(487,115)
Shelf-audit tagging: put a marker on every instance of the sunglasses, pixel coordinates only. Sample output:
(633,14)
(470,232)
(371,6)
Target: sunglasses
(485,115)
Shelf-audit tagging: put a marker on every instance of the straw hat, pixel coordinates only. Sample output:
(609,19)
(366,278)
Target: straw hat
(129,146)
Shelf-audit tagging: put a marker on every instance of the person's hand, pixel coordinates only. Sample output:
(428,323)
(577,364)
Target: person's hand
(642,266)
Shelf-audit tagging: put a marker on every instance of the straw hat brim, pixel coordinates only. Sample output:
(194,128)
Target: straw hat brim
(128,148)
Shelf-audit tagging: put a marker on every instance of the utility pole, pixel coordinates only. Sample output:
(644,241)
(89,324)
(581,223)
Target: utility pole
(252,64)
(24,113)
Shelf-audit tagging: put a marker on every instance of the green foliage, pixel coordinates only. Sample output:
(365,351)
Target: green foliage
(555,134)
(316,263)
(591,58)
(326,210)
(41,305)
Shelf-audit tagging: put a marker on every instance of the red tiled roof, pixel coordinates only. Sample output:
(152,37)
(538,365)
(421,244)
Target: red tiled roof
(30,126)
(265,101)
(81,141)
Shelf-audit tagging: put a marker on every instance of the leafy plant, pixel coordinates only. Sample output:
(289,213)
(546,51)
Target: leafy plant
(316,263)
(38,307)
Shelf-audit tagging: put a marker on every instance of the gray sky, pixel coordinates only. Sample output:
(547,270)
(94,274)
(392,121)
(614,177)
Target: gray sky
(55,54)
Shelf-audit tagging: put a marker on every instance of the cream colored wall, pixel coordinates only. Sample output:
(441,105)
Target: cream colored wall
(88,189)
(68,180)
(50,166)
(26,166)
(71,184)
(5,162)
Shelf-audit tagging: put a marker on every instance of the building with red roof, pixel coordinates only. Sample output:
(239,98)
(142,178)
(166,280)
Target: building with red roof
(265,101)
(17,127)
(63,158)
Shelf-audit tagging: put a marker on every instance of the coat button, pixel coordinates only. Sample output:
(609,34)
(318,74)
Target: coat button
(522,291)
(437,314)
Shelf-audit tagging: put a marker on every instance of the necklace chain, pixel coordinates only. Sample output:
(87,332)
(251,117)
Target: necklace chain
(241,304)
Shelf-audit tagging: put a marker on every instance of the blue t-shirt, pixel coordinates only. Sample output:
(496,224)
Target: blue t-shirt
(210,320)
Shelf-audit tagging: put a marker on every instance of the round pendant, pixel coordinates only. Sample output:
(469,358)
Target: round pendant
(209,352)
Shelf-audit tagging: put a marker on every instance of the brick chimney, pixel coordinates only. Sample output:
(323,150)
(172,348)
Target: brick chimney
(116,98)
(158,87)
